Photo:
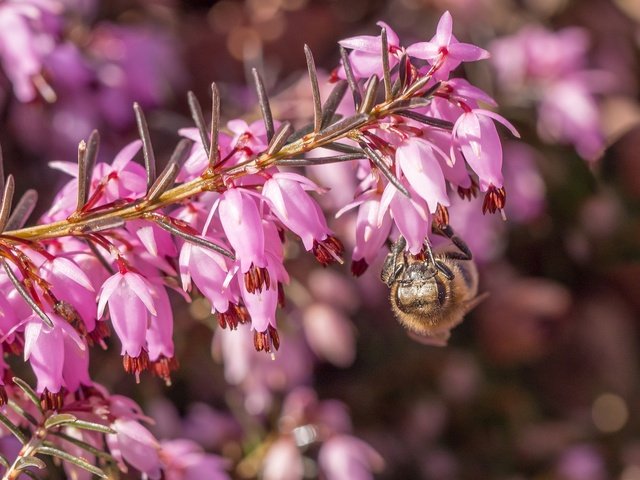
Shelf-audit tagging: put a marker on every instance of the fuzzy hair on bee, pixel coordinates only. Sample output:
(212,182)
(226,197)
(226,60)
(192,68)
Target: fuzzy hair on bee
(430,293)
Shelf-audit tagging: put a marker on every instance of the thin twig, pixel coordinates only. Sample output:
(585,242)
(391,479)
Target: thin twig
(82,175)
(370,94)
(315,89)
(20,288)
(386,74)
(341,127)
(333,102)
(215,125)
(306,162)
(7,200)
(147,148)
(198,119)
(265,108)
(351,79)
(280,138)
(418,117)
(379,162)
(196,240)
(22,210)
(167,177)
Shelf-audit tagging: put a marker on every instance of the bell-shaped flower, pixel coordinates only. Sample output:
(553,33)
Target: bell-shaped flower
(261,306)
(476,135)
(372,230)
(242,225)
(71,284)
(208,270)
(293,206)
(417,160)
(345,457)
(52,352)
(134,444)
(410,215)
(283,461)
(366,53)
(130,300)
(160,332)
(444,50)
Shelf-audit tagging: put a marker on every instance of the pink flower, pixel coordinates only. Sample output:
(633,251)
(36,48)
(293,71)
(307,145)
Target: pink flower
(344,457)
(370,233)
(185,460)
(417,160)
(130,299)
(134,444)
(242,225)
(57,355)
(295,208)
(477,137)
(283,461)
(366,54)
(444,51)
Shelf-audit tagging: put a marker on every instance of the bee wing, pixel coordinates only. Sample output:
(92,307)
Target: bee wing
(474,302)
(439,339)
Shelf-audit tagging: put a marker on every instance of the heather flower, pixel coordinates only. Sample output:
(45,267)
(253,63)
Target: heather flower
(57,355)
(443,51)
(26,37)
(295,208)
(134,444)
(283,461)
(130,299)
(185,460)
(550,68)
(346,457)
(329,334)
(365,57)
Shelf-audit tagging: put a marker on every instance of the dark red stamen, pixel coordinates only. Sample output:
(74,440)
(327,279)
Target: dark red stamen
(358,267)
(328,250)
(494,200)
(267,341)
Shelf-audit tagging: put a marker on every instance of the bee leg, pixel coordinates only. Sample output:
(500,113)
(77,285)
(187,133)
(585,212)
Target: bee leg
(464,253)
(395,262)
(446,271)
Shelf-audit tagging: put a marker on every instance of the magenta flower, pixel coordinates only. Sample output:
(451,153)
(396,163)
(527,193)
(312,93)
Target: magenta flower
(371,233)
(344,457)
(444,51)
(130,299)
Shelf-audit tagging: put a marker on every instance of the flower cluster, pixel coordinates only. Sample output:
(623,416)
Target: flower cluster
(218,217)
(551,68)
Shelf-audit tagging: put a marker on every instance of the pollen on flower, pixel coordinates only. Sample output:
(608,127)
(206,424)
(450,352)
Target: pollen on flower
(256,278)
(163,367)
(494,200)
(468,192)
(136,365)
(235,315)
(328,250)
(267,341)
(52,401)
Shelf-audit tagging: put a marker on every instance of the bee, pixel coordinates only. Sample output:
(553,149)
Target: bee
(430,294)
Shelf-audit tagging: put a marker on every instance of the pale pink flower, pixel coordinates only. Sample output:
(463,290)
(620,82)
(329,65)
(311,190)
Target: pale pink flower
(134,444)
(186,460)
(283,461)
(366,53)
(57,355)
(344,457)
(295,208)
(329,333)
(130,299)
(417,160)
(444,51)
